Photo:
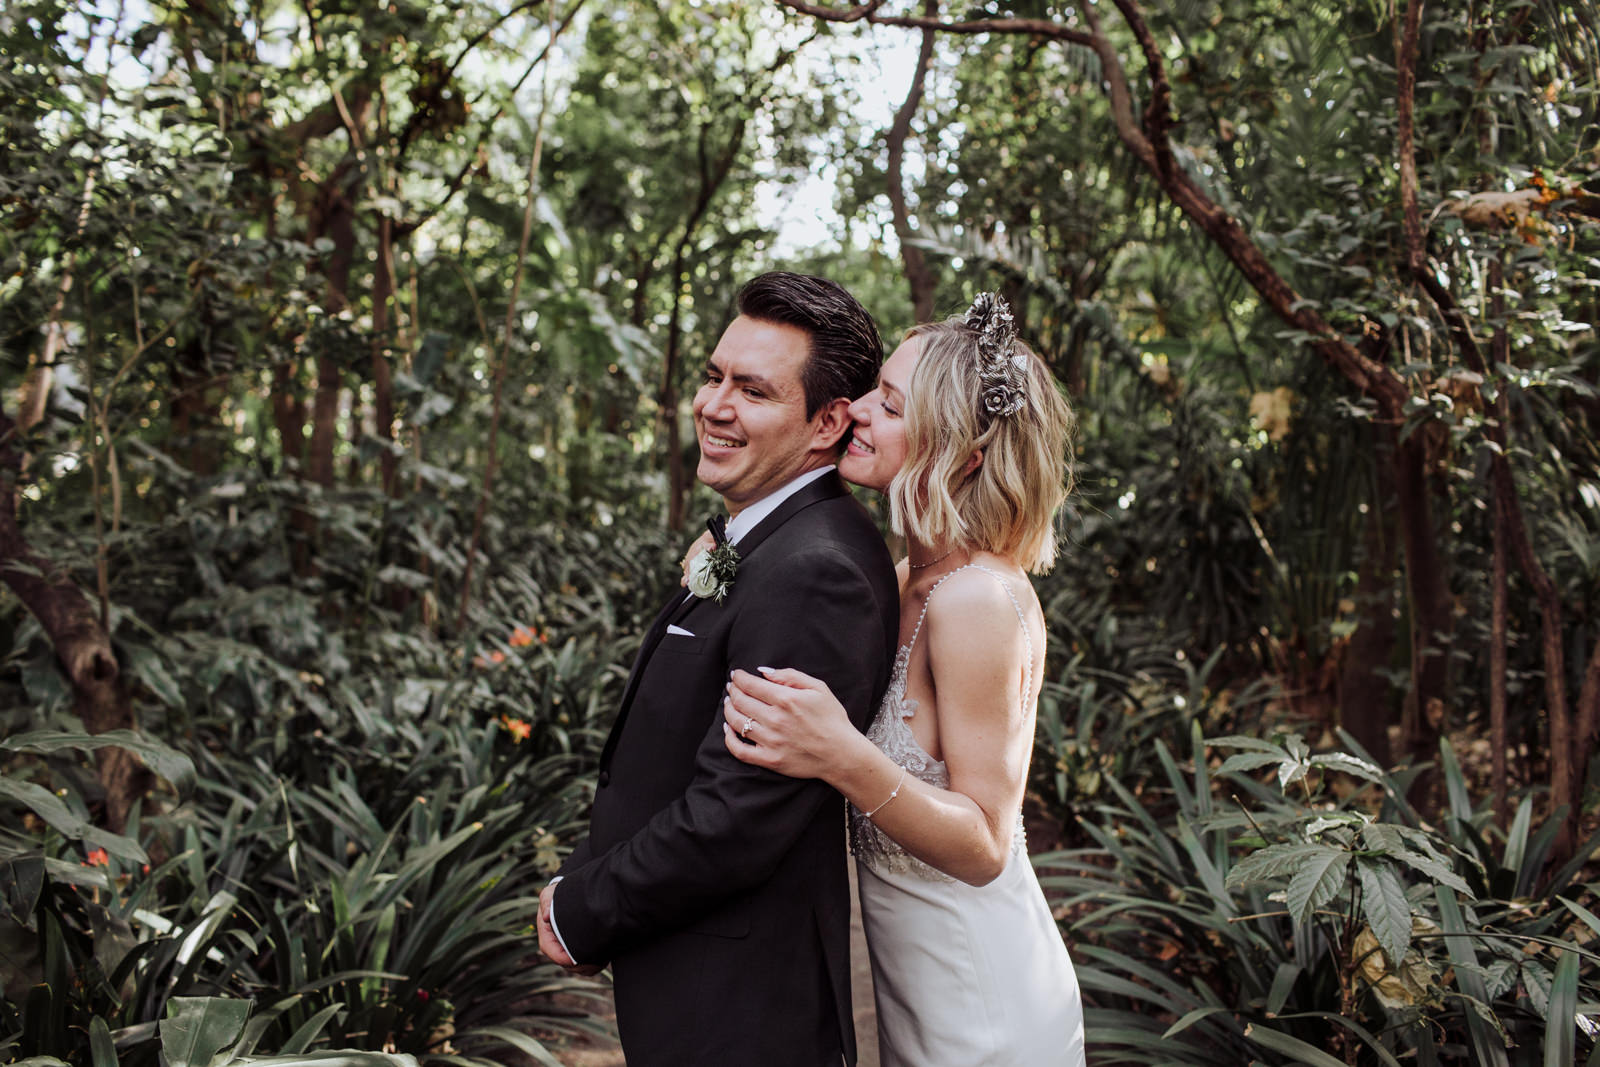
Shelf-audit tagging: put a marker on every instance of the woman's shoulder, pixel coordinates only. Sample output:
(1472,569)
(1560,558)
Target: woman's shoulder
(988,591)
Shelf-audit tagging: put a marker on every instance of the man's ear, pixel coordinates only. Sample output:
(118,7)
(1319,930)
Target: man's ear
(974,461)
(830,424)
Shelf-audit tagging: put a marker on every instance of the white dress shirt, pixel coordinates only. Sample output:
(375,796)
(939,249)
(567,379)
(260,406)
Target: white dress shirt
(751,516)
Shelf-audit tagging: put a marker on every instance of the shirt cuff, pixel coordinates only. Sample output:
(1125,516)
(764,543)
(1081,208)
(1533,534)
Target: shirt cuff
(556,929)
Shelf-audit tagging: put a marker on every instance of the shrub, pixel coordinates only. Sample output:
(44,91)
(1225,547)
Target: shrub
(1312,922)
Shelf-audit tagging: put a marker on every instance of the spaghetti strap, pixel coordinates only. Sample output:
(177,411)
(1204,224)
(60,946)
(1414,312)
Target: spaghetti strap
(1022,618)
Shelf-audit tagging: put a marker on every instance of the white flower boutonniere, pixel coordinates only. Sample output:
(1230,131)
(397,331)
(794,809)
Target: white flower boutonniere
(711,572)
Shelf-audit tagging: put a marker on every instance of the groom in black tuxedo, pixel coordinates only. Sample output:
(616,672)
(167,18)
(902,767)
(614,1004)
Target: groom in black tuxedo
(716,890)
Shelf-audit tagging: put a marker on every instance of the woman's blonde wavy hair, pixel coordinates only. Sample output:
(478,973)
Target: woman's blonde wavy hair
(1007,505)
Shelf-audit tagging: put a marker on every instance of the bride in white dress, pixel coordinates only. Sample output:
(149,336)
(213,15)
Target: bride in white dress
(968,435)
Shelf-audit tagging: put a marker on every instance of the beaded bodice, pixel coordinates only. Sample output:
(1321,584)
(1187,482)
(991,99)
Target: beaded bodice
(891,732)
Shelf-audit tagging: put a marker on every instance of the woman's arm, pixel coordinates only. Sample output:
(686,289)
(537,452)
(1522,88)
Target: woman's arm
(977,656)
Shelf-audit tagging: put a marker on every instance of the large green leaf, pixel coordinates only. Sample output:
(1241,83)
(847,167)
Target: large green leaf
(21,882)
(1384,904)
(1373,1044)
(102,1050)
(1190,1018)
(1274,861)
(1560,1031)
(519,1041)
(1282,1043)
(196,1029)
(1358,768)
(311,1029)
(1282,985)
(1590,919)
(166,761)
(330,1058)
(1455,783)
(1316,883)
(50,808)
(1393,842)
(1490,1049)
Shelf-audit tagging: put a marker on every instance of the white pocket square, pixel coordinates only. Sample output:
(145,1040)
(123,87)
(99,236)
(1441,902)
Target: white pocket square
(680,631)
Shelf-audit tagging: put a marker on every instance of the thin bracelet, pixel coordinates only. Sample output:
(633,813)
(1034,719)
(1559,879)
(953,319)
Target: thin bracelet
(892,795)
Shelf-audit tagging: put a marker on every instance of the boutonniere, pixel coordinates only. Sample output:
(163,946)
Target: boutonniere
(711,572)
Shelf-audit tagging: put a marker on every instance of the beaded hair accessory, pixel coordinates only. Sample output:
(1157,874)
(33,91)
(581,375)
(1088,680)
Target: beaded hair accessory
(1000,369)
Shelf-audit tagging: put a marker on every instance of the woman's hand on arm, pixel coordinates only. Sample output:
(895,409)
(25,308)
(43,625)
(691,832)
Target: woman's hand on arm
(791,723)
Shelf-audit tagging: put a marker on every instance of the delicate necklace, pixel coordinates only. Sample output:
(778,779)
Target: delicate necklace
(931,562)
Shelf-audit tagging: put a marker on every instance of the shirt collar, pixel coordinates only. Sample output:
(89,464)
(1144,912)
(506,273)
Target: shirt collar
(751,516)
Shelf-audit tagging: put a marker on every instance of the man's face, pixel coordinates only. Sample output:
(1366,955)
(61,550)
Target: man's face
(750,413)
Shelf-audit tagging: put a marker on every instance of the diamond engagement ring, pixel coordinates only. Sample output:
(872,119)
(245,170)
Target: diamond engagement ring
(744,731)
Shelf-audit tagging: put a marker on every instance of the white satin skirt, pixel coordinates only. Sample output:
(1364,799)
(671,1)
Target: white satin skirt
(966,975)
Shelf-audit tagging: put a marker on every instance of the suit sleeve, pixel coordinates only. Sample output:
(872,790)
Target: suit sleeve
(735,823)
(581,854)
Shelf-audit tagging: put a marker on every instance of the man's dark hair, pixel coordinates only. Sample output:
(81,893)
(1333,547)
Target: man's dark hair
(846,351)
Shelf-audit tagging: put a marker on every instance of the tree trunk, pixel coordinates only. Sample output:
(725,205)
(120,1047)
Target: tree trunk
(1499,612)
(1588,714)
(1364,692)
(1428,593)
(382,378)
(918,276)
(82,645)
(195,430)
(194,435)
(289,414)
(324,422)
(677,474)
(1070,368)
(40,378)
(334,220)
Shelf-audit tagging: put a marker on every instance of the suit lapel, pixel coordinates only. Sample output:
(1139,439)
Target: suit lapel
(827,487)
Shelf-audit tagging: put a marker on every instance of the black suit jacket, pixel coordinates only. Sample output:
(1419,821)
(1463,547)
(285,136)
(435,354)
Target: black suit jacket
(717,890)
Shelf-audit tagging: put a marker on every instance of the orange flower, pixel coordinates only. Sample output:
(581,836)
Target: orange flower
(97,858)
(497,656)
(521,637)
(479,662)
(519,729)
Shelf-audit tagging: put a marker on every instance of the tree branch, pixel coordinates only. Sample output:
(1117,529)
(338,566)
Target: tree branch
(869,12)
(1158,118)
(478,156)
(1405,116)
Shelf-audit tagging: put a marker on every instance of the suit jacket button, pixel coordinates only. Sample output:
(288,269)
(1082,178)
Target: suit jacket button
(605,779)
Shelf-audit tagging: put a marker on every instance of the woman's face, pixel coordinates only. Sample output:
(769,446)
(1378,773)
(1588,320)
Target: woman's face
(878,442)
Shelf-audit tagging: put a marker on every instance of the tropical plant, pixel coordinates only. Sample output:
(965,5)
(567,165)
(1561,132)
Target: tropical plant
(1316,920)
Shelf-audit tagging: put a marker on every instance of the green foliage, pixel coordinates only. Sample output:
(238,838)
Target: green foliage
(1319,917)
(368,811)
(345,929)
(243,225)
